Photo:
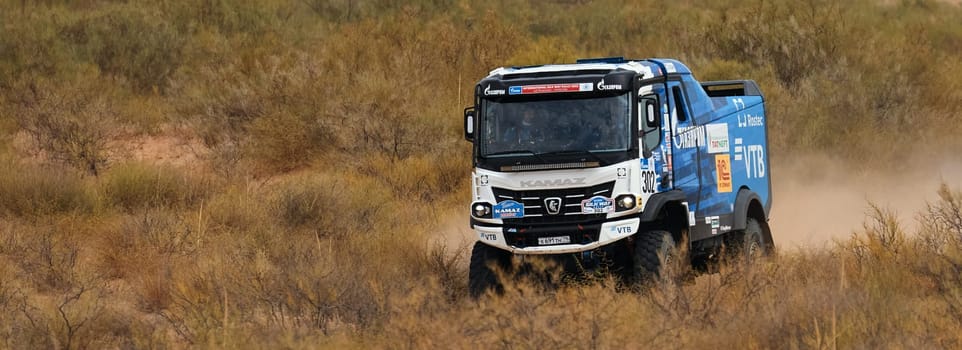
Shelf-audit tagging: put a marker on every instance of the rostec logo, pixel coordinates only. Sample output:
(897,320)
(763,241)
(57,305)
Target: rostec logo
(552,205)
(748,120)
(553,183)
(602,86)
(489,92)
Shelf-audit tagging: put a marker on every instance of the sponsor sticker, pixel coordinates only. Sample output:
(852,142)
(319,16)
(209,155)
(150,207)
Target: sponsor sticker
(690,136)
(491,92)
(508,209)
(620,230)
(602,86)
(717,138)
(670,67)
(723,173)
(597,205)
(748,120)
(550,88)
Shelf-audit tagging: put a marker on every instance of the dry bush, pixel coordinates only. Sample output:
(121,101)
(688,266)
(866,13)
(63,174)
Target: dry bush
(329,205)
(133,42)
(134,186)
(423,178)
(940,243)
(34,192)
(70,123)
(239,209)
(347,114)
(269,113)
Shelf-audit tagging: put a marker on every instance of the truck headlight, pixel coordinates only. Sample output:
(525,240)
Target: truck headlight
(625,202)
(481,210)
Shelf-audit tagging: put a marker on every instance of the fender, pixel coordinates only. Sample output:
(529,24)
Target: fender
(745,197)
(658,200)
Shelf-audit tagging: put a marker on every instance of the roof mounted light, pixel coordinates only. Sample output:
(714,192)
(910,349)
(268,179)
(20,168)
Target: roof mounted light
(612,60)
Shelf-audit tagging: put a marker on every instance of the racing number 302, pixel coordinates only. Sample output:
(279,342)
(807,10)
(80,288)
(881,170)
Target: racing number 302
(648,181)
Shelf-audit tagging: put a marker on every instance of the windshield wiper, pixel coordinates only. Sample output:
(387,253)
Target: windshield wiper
(575,153)
(519,151)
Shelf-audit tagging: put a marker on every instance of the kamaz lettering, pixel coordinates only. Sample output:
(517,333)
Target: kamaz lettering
(507,211)
(553,183)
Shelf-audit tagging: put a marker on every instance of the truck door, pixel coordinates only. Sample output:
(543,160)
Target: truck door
(654,140)
(686,138)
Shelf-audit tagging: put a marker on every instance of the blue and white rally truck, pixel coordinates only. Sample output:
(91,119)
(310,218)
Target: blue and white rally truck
(613,163)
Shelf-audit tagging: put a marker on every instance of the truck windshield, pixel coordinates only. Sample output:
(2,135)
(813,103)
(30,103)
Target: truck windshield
(597,124)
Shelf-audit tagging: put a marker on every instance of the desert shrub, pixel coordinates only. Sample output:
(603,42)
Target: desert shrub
(422,178)
(330,205)
(134,185)
(34,192)
(129,41)
(70,122)
(238,209)
(269,115)
(940,243)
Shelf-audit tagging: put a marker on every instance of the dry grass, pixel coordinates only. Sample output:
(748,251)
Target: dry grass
(327,159)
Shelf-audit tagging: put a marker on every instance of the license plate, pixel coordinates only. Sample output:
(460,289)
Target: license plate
(554,240)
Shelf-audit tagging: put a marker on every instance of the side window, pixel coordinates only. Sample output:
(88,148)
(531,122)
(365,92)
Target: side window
(649,110)
(680,104)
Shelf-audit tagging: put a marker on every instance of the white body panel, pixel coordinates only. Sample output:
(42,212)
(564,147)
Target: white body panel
(627,181)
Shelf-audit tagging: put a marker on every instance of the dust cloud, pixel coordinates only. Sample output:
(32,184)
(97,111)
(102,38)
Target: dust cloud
(818,200)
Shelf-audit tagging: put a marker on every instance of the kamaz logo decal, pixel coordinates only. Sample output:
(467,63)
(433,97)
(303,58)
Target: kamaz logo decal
(552,205)
(489,92)
(553,183)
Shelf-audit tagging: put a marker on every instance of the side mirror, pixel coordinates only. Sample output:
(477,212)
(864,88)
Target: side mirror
(469,124)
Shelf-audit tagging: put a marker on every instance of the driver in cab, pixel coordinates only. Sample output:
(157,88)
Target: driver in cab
(527,132)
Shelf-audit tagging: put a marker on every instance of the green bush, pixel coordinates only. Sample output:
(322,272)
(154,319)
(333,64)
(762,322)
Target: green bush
(132,42)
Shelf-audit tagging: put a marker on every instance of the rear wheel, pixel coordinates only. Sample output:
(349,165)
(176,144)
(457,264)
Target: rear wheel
(654,252)
(754,245)
(482,271)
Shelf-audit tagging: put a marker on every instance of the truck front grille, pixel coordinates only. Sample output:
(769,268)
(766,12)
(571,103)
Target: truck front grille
(535,212)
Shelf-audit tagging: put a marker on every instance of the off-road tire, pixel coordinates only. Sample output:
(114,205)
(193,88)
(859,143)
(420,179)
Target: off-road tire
(754,245)
(654,251)
(481,271)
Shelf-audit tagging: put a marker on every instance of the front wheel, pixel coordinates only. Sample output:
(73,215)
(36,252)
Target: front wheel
(654,252)
(482,271)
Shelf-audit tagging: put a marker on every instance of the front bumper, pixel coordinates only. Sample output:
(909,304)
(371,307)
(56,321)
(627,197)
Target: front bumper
(609,232)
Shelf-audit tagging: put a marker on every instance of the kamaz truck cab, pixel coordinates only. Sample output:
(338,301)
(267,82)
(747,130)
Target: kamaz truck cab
(613,162)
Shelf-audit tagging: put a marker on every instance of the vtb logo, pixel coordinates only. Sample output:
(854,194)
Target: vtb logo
(552,205)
